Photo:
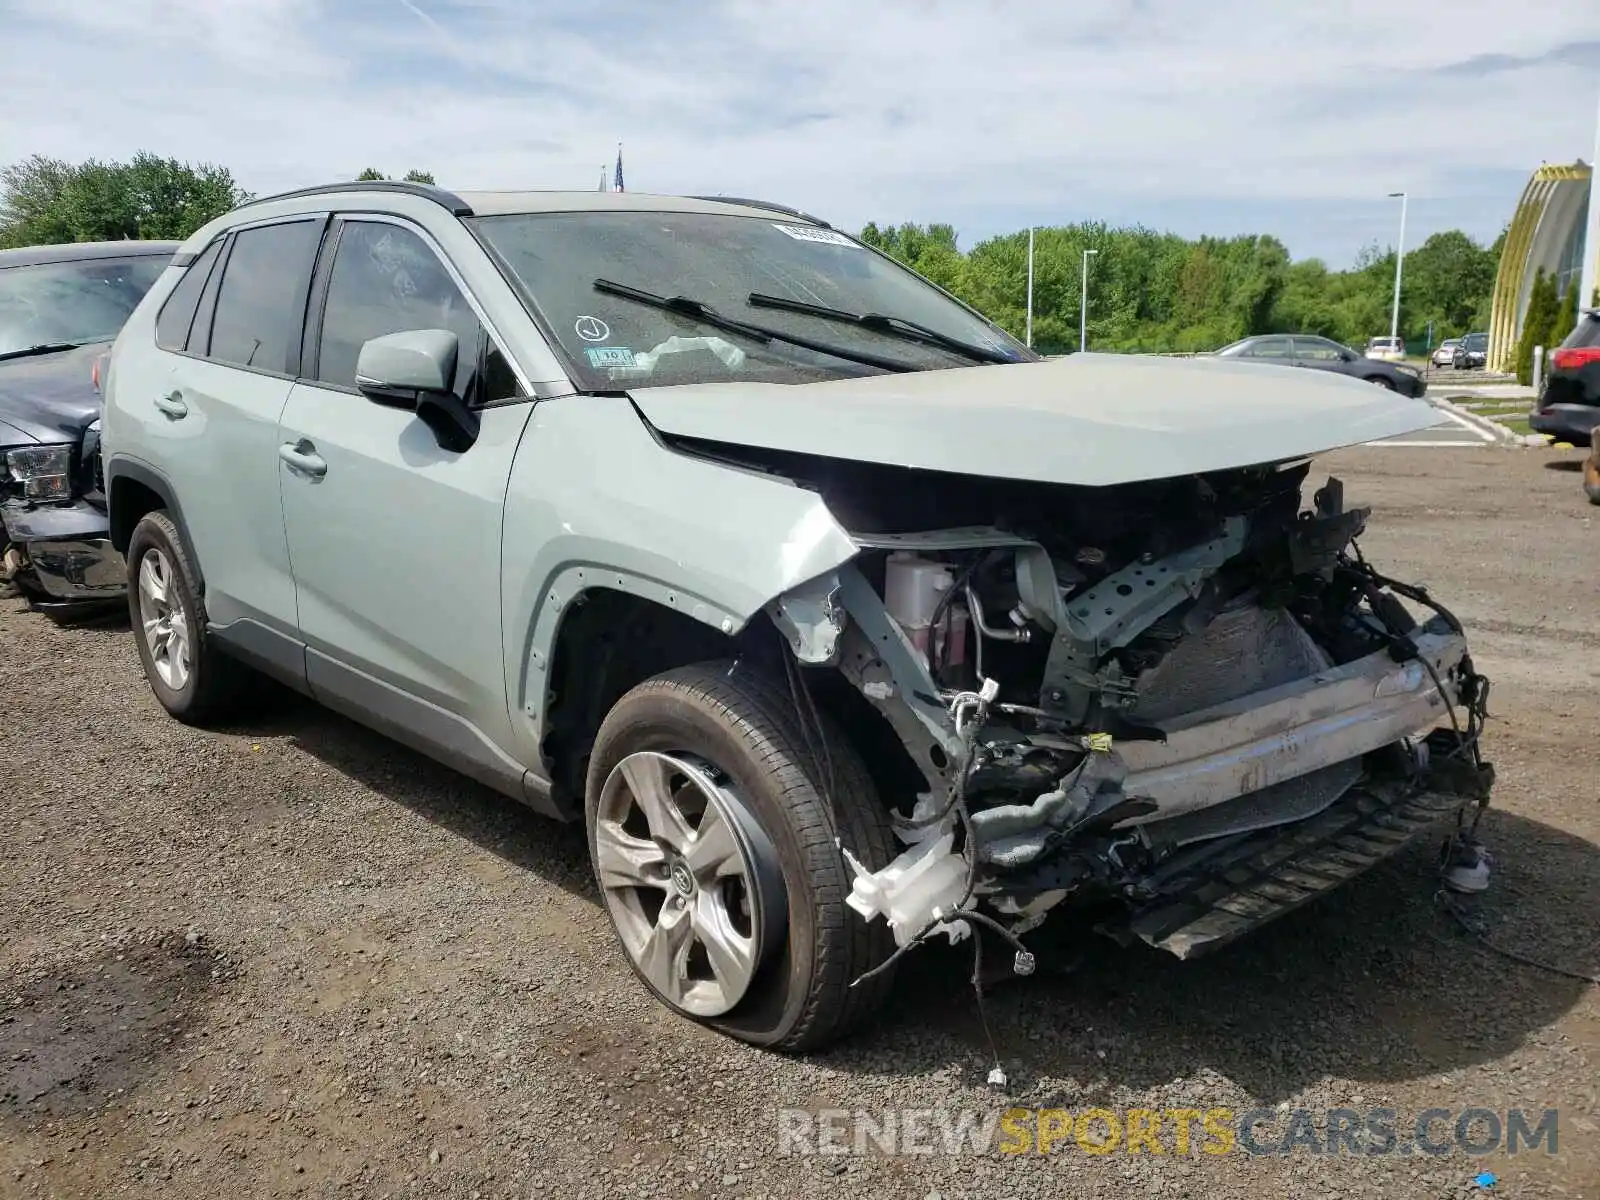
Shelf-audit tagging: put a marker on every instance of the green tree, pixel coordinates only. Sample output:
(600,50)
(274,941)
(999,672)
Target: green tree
(411,176)
(44,200)
(1562,319)
(1543,305)
(1447,278)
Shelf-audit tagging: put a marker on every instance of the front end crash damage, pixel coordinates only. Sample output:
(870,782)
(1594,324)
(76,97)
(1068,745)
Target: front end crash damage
(1189,698)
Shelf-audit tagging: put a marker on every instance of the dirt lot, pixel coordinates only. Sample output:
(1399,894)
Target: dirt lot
(294,959)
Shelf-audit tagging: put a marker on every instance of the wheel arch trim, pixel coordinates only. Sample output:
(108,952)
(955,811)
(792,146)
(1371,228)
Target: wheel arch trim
(117,468)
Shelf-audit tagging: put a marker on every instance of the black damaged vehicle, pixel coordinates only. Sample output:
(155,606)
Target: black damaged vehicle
(60,309)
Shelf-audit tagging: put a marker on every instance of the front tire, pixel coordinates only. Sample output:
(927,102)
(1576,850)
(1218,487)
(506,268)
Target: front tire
(194,680)
(1382,381)
(715,854)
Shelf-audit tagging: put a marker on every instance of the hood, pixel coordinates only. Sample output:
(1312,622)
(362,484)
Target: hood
(1090,419)
(50,398)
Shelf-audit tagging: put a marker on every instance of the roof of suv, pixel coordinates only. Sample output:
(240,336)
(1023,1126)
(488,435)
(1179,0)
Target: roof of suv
(500,203)
(33,256)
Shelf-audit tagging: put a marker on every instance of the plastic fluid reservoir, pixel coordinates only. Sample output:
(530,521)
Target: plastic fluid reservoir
(913,587)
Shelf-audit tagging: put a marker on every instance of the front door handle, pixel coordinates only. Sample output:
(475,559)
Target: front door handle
(172,404)
(303,458)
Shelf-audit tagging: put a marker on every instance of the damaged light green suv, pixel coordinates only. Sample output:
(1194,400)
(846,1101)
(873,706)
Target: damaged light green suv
(839,617)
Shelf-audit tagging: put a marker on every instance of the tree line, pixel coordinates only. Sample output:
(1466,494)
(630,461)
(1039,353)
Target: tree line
(1151,291)
(44,201)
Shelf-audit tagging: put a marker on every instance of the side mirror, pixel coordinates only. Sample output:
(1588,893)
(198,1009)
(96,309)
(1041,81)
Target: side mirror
(414,370)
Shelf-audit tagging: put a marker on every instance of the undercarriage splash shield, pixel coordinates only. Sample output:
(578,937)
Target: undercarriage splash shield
(1217,891)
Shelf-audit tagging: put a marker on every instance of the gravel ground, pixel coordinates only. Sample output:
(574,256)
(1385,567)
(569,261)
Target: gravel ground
(295,959)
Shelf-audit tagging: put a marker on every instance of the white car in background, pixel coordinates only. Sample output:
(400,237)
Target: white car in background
(1445,355)
(1389,349)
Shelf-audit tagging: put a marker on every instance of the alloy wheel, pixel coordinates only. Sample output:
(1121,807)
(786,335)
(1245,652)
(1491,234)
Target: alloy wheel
(164,620)
(689,878)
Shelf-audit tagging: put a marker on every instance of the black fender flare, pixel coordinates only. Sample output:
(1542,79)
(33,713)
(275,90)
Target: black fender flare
(155,481)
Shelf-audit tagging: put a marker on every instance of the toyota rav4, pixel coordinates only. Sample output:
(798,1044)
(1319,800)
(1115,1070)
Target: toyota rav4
(840,618)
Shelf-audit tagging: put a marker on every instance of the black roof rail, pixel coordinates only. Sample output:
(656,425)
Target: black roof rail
(422,191)
(768,205)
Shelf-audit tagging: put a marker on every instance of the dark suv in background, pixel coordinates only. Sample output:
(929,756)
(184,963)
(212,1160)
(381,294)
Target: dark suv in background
(1568,408)
(60,309)
(1472,354)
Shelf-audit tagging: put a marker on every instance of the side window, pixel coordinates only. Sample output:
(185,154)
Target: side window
(1270,347)
(386,279)
(261,303)
(177,314)
(1316,351)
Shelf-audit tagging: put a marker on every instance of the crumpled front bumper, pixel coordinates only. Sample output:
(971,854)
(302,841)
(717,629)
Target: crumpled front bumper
(68,551)
(1265,738)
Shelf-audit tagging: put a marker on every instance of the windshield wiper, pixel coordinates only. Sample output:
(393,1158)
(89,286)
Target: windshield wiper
(897,327)
(684,306)
(41,348)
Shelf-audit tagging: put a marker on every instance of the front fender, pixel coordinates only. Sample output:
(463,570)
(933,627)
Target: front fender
(596,500)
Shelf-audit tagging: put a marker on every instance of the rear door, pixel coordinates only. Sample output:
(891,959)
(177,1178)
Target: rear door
(232,343)
(395,542)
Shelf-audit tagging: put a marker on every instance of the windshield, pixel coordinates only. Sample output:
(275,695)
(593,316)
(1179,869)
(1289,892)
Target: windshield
(77,302)
(613,340)
(1475,341)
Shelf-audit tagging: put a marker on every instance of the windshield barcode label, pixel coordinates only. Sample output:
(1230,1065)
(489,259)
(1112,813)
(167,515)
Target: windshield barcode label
(810,233)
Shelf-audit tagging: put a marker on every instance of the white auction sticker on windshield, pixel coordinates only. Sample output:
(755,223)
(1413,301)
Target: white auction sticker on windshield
(810,233)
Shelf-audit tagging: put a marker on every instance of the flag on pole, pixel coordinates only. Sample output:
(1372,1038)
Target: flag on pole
(619,168)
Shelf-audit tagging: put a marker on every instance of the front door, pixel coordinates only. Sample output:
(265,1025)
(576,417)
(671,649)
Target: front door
(394,541)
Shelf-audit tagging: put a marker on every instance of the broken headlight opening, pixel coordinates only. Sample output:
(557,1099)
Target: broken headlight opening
(41,474)
(1191,702)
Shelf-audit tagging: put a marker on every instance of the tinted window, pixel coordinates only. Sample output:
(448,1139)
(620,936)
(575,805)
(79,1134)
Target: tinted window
(84,301)
(1310,348)
(386,279)
(1271,347)
(177,314)
(1586,333)
(262,300)
(1475,341)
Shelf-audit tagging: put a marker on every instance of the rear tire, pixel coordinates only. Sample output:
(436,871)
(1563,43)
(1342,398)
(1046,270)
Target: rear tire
(194,680)
(744,730)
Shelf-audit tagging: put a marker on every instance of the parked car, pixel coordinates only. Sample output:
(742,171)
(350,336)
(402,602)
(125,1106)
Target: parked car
(1320,354)
(1473,353)
(1444,354)
(839,618)
(1568,408)
(1388,349)
(60,307)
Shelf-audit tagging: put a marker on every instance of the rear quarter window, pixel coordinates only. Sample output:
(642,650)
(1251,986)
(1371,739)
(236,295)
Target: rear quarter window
(177,314)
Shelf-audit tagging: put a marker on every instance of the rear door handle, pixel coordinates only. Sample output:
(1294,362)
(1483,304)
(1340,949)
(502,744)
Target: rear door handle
(172,404)
(303,458)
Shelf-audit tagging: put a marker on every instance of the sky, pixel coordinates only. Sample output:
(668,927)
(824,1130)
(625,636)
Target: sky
(1219,117)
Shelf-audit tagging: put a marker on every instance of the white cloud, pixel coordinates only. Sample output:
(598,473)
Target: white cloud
(991,113)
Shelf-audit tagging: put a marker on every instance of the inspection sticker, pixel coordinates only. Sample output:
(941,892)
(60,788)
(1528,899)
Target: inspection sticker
(810,233)
(609,356)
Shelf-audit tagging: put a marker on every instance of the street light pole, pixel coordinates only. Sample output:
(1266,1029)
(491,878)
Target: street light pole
(1083,305)
(1029,338)
(1399,260)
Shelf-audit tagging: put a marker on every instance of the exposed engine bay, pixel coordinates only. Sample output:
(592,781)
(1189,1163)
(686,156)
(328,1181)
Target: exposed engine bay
(1190,696)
